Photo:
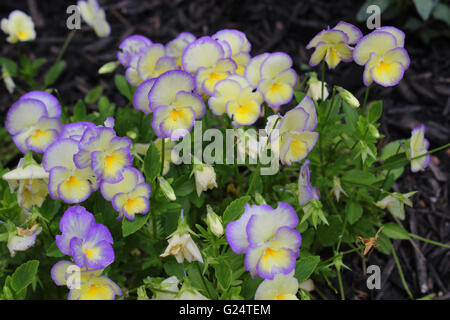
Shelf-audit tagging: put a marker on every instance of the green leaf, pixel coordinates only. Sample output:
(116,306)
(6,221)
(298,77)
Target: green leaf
(305,267)
(173,268)
(10,65)
(24,275)
(424,8)
(354,211)
(329,234)
(256,184)
(93,95)
(299,96)
(235,209)
(224,274)
(123,86)
(79,111)
(442,12)
(50,208)
(152,163)
(54,72)
(53,251)
(374,110)
(130,227)
(394,231)
(350,115)
(358,177)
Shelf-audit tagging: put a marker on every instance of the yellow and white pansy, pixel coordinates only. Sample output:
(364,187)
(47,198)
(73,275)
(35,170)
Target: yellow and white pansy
(383,55)
(294,134)
(175,48)
(235,96)
(277,79)
(66,181)
(206,59)
(282,287)
(129,196)
(153,62)
(105,153)
(333,44)
(95,17)
(175,107)
(130,46)
(31,180)
(267,237)
(418,145)
(34,121)
(84,284)
(18,26)
(236,46)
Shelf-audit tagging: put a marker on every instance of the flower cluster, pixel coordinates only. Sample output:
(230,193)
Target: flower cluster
(268,238)
(90,246)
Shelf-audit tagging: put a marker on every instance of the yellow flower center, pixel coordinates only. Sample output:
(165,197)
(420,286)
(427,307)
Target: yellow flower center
(22,35)
(93,290)
(275,87)
(73,182)
(109,160)
(130,203)
(280,297)
(38,133)
(176,248)
(88,252)
(269,253)
(383,66)
(175,114)
(215,76)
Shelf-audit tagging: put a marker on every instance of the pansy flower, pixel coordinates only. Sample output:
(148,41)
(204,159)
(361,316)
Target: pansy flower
(252,71)
(153,62)
(305,189)
(267,237)
(84,284)
(18,26)
(76,130)
(333,44)
(206,59)
(88,243)
(31,180)
(132,74)
(418,145)
(295,134)
(66,181)
(131,46)
(94,16)
(130,196)
(383,55)
(33,121)
(140,98)
(235,96)
(105,153)
(175,48)
(282,287)
(175,106)
(236,46)
(277,79)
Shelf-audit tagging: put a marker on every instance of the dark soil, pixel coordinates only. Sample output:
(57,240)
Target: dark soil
(423,96)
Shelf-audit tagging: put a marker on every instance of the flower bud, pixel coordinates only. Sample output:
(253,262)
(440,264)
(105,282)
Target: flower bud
(205,178)
(214,222)
(348,97)
(108,67)
(166,188)
(315,88)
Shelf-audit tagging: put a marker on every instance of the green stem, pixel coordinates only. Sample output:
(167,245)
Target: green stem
(331,107)
(65,45)
(341,286)
(323,77)
(203,280)
(366,96)
(429,241)
(163,146)
(325,262)
(400,272)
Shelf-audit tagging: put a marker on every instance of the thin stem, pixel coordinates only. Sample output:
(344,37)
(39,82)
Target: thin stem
(400,272)
(341,286)
(340,254)
(65,45)
(331,107)
(366,96)
(203,280)
(162,155)
(323,77)
(429,241)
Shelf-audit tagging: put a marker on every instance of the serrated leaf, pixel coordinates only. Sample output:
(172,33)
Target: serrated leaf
(305,267)
(353,211)
(130,227)
(394,231)
(235,209)
(24,275)
(54,73)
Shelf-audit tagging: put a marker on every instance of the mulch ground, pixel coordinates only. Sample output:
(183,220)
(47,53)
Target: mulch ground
(422,97)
